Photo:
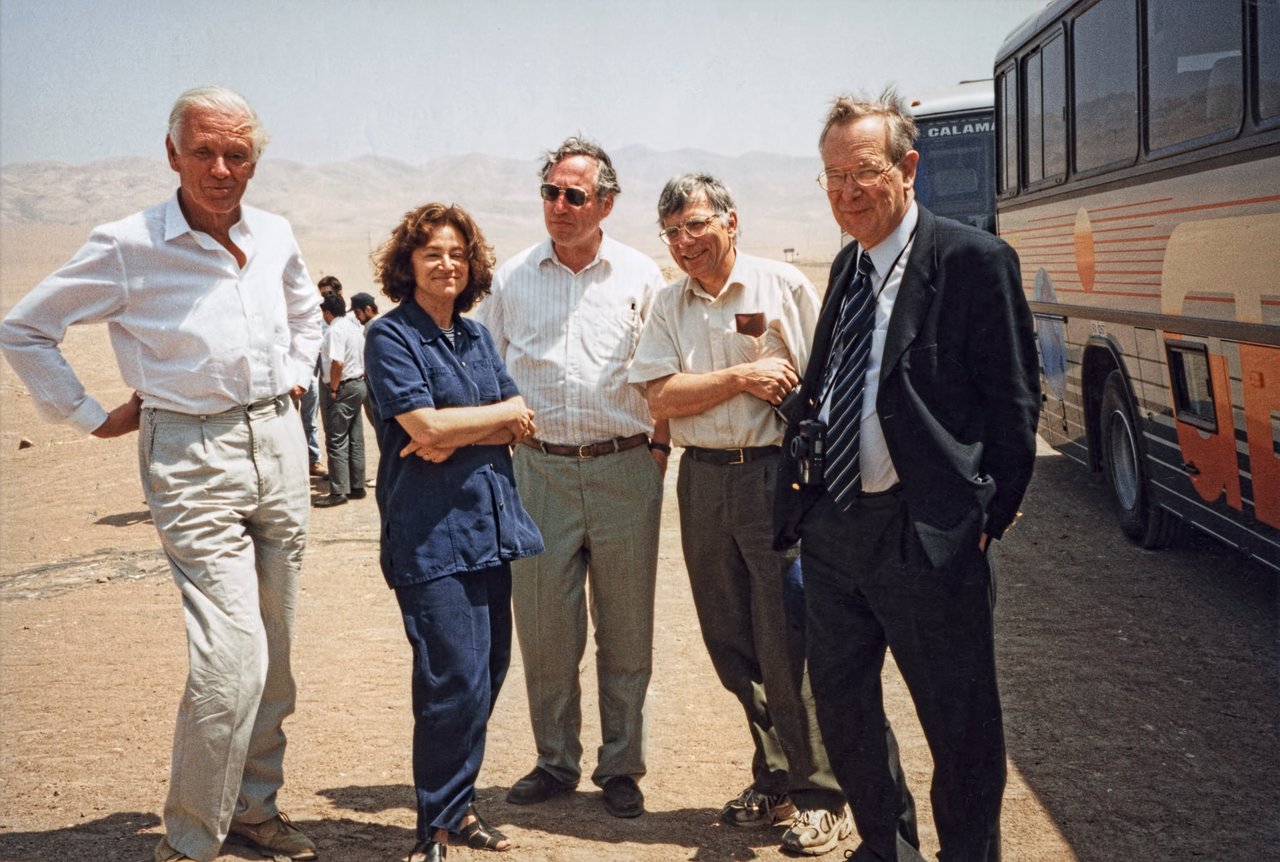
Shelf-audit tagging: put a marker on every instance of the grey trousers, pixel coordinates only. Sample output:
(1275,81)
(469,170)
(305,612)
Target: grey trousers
(344,436)
(599,521)
(757,649)
(229,497)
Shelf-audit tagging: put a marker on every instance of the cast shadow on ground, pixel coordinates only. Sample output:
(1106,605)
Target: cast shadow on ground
(1138,686)
(130,836)
(119,837)
(697,832)
(125,519)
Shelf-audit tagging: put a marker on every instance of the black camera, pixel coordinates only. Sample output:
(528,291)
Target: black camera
(809,449)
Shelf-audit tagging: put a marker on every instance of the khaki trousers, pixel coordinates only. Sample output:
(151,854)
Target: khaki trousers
(229,497)
(599,522)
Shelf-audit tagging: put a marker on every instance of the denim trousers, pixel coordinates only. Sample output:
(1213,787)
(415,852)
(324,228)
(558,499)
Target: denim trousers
(228,494)
(459,627)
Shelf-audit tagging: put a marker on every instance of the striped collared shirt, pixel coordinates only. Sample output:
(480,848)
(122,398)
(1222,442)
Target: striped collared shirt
(568,338)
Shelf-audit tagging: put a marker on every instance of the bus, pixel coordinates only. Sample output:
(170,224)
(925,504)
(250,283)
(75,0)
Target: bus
(957,144)
(1138,153)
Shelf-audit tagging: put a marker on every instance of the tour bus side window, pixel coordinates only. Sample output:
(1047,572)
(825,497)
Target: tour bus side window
(1192,389)
(1007,90)
(1106,85)
(1045,100)
(1266,85)
(1195,78)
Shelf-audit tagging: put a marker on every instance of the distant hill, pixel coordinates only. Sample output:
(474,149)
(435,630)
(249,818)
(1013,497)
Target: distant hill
(358,201)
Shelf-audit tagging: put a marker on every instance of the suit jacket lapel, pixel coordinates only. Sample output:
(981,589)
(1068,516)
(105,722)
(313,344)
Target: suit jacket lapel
(915,294)
(825,330)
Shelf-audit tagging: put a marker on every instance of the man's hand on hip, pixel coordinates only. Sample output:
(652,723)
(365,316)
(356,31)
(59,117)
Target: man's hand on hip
(122,420)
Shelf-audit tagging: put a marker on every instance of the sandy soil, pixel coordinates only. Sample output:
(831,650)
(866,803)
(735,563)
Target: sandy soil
(1140,689)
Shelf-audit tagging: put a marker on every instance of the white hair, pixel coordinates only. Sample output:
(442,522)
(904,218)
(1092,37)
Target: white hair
(223,100)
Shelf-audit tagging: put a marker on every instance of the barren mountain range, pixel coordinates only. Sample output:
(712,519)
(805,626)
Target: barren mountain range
(354,204)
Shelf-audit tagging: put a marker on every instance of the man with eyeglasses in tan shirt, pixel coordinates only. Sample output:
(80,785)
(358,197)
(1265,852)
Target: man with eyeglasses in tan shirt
(724,345)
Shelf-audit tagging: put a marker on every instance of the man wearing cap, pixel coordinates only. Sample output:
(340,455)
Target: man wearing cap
(365,309)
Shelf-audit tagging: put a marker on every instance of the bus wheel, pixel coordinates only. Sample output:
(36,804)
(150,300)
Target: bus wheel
(1122,459)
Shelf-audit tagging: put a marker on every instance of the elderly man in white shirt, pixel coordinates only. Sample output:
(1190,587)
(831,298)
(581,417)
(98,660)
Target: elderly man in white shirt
(723,346)
(342,372)
(214,323)
(566,315)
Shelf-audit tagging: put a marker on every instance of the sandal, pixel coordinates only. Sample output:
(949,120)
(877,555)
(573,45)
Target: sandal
(479,835)
(428,851)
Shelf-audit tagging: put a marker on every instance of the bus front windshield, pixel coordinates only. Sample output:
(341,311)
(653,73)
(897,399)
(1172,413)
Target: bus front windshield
(956,173)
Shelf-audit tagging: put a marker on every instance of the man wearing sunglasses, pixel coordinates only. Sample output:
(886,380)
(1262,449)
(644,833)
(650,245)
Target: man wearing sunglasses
(723,347)
(924,389)
(566,315)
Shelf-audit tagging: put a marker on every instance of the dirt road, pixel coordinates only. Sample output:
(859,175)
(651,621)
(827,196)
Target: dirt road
(1140,690)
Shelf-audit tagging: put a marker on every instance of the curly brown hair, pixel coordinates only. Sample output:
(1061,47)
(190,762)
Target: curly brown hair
(393,264)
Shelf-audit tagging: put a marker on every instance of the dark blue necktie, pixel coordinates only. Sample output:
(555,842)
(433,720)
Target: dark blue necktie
(844,416)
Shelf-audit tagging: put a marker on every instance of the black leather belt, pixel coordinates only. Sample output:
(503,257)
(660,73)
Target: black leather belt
(730,457)
(589,450)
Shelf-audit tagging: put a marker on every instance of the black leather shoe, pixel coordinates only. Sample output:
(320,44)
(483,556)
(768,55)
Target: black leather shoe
(428,851)
(538,786)
(330,500)
(357,494)
(622,797)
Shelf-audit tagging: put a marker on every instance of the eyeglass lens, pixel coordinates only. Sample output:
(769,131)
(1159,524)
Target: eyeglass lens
(695,227)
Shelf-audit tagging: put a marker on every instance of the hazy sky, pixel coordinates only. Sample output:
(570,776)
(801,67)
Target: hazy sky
(416,79)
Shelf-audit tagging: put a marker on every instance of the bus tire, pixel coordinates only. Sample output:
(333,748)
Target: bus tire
(1123,462)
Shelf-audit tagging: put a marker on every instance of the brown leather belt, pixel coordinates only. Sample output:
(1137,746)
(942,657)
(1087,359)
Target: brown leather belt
(589,450)
(730,457)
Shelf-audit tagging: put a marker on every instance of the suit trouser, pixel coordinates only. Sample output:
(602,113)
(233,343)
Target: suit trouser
(868,585)
(229,497)
(344,436)
(460,629)
(739,590)
(599,522)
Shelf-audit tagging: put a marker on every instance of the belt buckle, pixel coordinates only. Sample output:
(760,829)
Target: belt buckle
(742,457)
(584,453)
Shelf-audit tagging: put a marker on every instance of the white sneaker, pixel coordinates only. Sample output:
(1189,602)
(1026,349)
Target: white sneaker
(815,831)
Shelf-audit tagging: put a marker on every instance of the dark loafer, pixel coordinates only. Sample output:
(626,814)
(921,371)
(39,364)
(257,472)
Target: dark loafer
(428,851)
(622,797)
(330,500)
(538,786)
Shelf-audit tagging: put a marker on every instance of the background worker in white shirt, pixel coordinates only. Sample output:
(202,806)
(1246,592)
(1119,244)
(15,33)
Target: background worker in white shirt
(566,315)
(342,376)
(214,323)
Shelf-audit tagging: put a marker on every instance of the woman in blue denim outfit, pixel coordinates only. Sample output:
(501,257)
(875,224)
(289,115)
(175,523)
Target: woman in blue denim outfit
(451,518)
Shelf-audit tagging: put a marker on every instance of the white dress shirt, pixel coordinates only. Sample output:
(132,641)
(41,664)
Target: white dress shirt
(567,338)
(693,332)
(344,341)
(192,331)
(875,463)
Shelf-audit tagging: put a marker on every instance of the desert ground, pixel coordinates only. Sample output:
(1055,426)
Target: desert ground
(1141,689)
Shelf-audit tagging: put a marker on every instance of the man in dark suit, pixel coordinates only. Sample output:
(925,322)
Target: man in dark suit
(915,441)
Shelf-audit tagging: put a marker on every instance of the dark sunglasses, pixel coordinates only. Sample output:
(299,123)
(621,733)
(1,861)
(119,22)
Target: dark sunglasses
(551,193)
